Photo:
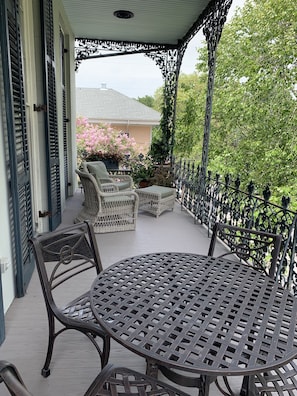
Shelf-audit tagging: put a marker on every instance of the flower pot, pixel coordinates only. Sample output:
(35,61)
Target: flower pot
(110,163)
(144,183)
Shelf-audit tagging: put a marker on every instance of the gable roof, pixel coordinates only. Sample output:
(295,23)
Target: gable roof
(109,106)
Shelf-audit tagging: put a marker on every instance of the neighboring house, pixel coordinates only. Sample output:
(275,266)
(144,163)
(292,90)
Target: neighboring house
(105,105)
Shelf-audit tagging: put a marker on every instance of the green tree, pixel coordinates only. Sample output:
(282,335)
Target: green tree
(147,101)
(253,132)
(189,116)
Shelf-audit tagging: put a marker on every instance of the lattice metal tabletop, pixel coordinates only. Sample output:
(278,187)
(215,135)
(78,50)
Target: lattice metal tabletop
(196,313)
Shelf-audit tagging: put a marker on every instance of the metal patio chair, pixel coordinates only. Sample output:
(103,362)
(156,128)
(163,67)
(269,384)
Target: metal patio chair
(260,250)
(62,256)
(257,248)
(107,211)
(119,381)
(12,379)
(281,381)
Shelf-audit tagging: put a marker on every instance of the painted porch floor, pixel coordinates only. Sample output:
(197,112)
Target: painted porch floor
(75,362)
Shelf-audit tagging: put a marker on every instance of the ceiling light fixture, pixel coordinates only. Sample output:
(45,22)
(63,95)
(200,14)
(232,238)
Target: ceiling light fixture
(123,14)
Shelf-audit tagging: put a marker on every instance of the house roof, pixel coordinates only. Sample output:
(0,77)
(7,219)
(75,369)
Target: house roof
(166,22)
(109,106)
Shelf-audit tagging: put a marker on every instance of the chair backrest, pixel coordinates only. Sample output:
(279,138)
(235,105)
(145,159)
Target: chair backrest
(98,169)
(10,376)
(257,248)
(92,190)
(62,255)
(91,183)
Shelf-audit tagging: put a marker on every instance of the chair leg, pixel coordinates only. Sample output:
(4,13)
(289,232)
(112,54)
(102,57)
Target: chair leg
(105,351)
(45,371)
(248,387)
(205,384)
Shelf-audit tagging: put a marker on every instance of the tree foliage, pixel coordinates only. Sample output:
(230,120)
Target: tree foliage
(253,129)
(189,116)
(147,101)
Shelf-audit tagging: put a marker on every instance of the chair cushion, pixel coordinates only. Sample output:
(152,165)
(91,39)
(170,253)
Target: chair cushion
(163,191)
(99,170)
(123,185)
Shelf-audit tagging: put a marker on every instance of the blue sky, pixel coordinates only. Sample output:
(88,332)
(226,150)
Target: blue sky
(135,75)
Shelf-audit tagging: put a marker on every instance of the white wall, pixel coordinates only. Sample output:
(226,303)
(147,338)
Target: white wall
(5,246)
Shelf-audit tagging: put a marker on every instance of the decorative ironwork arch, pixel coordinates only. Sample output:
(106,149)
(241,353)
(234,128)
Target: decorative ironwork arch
(95,48)
(169,58)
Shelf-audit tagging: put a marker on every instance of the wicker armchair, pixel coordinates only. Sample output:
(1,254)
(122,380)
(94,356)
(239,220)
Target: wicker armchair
(106,181)
(108,212)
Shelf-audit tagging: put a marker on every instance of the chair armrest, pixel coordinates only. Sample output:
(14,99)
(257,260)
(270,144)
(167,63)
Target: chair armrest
(120,194)
(103,179)
(12,379)
(109,187)
(122,178)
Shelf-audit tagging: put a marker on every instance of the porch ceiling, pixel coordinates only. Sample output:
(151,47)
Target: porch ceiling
(154,21)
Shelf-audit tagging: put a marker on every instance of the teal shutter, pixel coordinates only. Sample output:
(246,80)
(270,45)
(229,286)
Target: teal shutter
(16,146)
(51,123)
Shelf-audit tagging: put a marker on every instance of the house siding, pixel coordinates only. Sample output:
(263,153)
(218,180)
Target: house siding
(108,106)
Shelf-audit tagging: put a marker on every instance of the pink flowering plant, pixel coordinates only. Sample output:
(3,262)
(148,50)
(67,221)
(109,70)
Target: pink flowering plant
(101,141)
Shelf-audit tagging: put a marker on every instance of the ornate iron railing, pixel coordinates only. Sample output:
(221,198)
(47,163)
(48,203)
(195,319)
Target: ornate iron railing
(223,200)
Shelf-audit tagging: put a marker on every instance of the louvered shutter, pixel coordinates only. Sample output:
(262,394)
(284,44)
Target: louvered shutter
(65,119)
(52,143)
(16,146)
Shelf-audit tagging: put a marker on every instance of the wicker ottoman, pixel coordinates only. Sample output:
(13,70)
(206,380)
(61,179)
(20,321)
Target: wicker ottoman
(156,199)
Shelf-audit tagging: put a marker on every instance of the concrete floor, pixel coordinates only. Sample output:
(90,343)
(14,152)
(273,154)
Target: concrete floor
(75,362)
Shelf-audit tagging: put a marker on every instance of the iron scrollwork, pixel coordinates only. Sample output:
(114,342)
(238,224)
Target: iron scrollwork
(212,31)
(225,200)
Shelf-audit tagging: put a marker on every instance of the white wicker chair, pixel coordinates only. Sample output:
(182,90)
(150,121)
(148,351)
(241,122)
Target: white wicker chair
(107,181)
(107,211)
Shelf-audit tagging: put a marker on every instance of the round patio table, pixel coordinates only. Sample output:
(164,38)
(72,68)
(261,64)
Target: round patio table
(205,315)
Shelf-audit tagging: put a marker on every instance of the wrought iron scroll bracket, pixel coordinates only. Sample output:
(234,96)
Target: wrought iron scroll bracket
(212,31)
(94,48)
(169,62)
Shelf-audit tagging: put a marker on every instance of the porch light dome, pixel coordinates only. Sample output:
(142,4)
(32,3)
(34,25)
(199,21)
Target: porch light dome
(123,14)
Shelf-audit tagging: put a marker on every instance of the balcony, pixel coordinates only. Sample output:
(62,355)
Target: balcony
(75,362)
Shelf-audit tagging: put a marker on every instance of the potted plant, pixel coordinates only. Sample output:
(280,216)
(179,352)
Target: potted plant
(101,142)
(163,176)
(142,170)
